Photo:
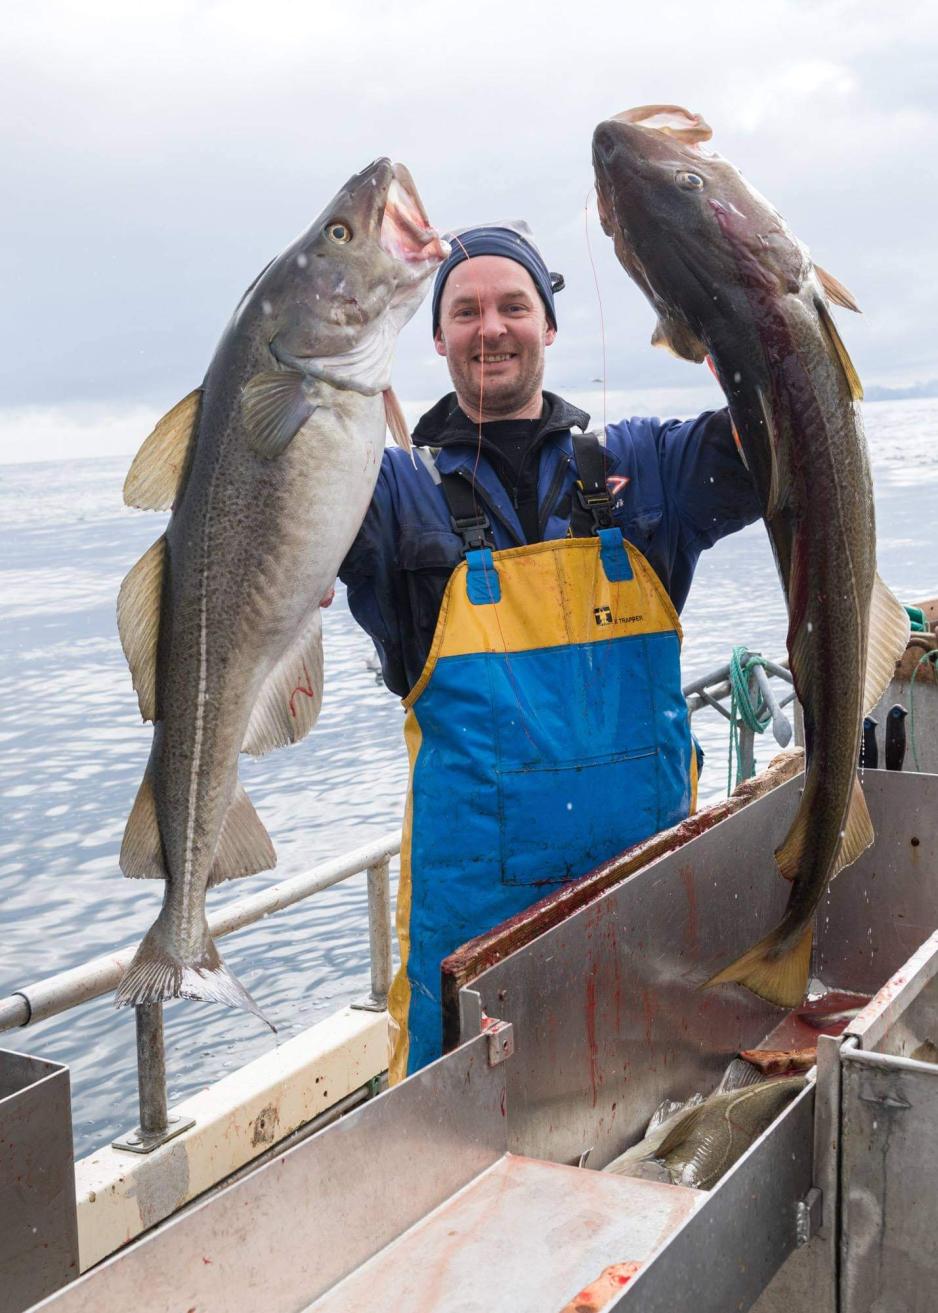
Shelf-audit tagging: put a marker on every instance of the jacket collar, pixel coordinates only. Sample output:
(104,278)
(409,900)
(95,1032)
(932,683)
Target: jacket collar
(445,425)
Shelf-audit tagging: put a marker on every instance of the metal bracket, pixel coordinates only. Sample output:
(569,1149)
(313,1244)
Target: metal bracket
(470,1014)
(139,1141)
(809,1214)
(501,1040)
(370,1004)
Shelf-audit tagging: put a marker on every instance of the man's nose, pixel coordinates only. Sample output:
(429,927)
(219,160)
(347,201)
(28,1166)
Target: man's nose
(492,324)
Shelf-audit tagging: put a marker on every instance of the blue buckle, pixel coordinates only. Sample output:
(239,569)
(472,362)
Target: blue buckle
(616,564)
(482,583)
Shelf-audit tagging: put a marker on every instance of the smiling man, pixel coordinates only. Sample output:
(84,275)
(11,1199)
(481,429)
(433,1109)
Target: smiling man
(521,581)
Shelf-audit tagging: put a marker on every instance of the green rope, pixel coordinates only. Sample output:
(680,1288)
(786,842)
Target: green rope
(742,709)
(926,656)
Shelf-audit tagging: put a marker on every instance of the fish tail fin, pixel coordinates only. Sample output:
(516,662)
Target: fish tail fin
(776,972)
(157,973)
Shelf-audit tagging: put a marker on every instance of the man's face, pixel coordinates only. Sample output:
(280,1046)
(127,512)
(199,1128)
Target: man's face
(493,331)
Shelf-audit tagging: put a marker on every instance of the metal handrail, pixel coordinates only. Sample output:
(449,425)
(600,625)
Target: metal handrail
(77,985)
(80,984)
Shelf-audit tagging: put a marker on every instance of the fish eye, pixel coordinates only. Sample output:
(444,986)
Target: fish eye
(692,181)
(339,232)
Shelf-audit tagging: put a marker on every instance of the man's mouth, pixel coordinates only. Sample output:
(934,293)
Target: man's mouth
(494,357)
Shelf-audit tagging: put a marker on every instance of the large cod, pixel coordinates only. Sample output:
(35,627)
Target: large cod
(729,280)
(269,468)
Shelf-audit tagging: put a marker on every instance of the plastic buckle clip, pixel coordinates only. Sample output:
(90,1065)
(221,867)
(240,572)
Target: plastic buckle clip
(598,506)
(473,531)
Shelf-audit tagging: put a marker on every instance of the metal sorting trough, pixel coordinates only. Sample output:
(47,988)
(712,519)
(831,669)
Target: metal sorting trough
(459,1189)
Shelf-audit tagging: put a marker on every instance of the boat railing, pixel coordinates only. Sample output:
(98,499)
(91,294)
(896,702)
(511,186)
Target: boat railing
(80,984)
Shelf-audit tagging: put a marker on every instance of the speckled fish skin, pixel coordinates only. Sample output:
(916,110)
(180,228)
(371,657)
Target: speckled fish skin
(729,280)
(288,434)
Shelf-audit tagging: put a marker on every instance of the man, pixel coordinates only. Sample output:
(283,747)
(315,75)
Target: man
(521,581)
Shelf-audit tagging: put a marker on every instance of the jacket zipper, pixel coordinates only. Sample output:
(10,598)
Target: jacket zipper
(553,492)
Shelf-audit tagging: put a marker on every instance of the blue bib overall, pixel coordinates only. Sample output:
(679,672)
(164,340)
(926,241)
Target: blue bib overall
(546,733)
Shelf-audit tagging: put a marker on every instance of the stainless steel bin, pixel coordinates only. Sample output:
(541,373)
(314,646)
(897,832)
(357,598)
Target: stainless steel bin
(38,1223)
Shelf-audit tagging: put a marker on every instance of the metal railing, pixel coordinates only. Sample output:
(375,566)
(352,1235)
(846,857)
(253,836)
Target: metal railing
(68,989)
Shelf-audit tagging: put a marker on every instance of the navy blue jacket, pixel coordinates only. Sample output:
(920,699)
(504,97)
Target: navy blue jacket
(677,487)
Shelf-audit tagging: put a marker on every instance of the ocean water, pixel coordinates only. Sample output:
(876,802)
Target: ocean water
(72,751)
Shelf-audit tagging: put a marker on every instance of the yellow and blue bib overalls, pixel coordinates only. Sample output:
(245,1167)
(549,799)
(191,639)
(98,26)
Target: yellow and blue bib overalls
(546,733)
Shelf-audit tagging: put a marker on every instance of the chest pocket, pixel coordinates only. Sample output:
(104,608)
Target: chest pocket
(426,560)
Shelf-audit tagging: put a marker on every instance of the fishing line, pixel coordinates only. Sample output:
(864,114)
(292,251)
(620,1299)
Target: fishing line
(599,299)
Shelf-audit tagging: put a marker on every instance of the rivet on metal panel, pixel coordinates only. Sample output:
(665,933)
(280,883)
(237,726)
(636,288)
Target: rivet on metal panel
(808,1215)
(501,1041)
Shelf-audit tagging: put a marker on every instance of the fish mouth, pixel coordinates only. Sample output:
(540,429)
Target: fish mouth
(406,232)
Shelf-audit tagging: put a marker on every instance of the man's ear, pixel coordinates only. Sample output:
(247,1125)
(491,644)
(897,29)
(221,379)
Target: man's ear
(439,342)
(549,334)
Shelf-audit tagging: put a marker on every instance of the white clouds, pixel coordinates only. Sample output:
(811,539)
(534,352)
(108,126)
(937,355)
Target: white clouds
(156,154)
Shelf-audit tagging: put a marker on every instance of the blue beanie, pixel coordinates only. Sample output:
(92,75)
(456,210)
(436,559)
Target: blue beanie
(511,240)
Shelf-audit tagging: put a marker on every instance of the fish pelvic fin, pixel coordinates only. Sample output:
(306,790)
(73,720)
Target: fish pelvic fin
(244,846)
(141,848)
(770,970)
(888,639)
(397,424)
(157,973)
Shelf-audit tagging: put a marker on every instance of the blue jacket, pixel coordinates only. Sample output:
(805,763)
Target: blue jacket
(677,487)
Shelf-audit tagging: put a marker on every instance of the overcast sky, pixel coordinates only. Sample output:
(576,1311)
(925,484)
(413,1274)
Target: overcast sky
(156,155)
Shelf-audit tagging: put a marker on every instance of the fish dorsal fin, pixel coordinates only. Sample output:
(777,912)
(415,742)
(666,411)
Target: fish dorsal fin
(288,705)
(836,291)
(138,623)
(157,472)
(858,830)
(141,848)
(780,478)
(275,407)
(244,846)
(888,638)
(840,351)
(397,424)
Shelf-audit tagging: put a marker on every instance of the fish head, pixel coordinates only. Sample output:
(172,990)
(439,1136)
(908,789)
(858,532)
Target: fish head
(339,294)
(687,227)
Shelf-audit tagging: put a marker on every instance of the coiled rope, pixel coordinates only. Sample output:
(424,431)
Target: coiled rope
(755,716)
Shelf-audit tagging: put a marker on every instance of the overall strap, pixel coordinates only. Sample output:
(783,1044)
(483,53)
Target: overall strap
(466,513)
(592,506)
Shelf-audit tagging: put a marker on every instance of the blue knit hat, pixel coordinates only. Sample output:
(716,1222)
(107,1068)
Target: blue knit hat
(511,239)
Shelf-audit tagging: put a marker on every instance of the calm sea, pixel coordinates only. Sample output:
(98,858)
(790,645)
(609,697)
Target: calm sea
(72,751)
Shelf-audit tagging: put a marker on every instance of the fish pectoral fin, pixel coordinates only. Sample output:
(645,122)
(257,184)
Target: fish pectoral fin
(138,622)
(840,351)
(397,424)
(141,848)
(158,470)
(778,975)
(679,340)
(780,477)
(858,830)
(889,629)
(836,291)
(275,406)
(244,846)
(288,705)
